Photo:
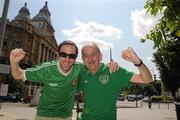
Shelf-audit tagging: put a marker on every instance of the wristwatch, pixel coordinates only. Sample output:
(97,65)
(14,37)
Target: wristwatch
(137,65)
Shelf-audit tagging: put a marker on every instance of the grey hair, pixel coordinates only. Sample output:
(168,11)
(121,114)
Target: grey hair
(93,44)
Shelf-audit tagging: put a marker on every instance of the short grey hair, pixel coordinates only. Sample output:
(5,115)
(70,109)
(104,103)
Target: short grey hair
(93,44)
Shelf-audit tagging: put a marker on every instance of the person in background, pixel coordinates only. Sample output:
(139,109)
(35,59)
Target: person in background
(100,88)
(149,102)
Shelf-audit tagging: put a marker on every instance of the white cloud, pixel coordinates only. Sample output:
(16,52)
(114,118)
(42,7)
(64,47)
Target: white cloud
(92,31)
(143,22)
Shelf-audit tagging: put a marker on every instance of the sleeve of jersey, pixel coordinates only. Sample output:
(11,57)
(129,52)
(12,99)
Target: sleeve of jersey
(34,74)
(80,80)
(126,77)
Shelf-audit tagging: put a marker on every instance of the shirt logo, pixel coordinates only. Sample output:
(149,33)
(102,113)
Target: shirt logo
(85,81)
(74,82)
(104,79)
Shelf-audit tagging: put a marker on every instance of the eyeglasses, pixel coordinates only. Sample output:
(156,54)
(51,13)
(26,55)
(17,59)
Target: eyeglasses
(64,55)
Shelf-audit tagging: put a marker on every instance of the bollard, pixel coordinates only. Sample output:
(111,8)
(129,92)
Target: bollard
(1,102)
(159,105)
(178,110)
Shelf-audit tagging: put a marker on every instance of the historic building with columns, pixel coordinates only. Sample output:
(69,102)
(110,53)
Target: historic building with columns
(34,35)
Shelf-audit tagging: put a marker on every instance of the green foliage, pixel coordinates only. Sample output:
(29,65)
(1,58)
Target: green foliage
(157,87)
(125,91)
(144,89)
(165,36)
(162,99)
(167,59)
(15,86)
(157,98)
(148,89)
(169,23)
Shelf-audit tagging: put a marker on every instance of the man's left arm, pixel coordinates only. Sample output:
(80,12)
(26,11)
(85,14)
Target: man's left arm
(144,75)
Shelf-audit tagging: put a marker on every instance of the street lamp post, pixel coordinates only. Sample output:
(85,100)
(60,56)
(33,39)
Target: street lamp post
(3,23)
(136,86)
(110,54)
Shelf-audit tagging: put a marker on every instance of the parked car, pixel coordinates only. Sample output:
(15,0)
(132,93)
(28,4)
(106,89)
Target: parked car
(140,97)
(131,97)
(120,97)
(9,98)
(146,99)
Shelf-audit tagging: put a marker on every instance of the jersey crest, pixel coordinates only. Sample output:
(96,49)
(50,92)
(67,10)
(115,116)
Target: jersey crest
(74,82)
(104,79)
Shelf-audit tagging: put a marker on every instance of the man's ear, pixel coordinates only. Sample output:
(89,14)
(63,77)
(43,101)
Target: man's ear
(82,59)
(101,57)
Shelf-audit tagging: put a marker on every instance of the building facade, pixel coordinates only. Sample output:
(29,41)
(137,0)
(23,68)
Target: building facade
(34,35)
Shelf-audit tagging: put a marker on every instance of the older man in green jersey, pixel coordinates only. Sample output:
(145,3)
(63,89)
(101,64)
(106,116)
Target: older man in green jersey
(100,89)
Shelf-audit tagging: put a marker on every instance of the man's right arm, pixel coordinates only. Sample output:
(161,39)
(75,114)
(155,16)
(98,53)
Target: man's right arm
(16,56)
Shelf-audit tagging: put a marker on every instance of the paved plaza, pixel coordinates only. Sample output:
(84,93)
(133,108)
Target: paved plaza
(125,111)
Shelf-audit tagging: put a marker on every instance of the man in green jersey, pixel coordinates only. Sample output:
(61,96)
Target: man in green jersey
(59,80)
(100,89)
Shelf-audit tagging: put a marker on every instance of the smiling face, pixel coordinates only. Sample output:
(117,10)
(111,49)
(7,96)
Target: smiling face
(65,58)
(91,57)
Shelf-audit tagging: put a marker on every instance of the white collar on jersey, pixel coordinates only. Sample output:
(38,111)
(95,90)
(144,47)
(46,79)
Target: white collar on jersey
(61,71)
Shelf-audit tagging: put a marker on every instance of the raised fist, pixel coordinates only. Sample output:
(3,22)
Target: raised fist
(16,55)
(129,55)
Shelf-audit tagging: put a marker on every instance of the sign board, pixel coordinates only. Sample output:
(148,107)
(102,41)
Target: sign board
(4,68)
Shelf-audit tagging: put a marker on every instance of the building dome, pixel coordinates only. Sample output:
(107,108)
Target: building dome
(43,14)
(23,13)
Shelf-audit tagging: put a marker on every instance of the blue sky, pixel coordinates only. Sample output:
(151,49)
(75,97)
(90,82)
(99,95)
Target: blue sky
(111,23)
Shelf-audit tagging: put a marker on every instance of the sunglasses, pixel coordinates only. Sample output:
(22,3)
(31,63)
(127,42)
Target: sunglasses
(64,55)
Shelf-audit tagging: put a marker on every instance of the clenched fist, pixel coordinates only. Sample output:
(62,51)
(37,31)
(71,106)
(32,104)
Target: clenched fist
(129,55)
(16,55)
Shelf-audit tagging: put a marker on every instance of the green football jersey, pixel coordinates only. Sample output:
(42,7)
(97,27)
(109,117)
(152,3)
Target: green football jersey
(100,92)
(58,91)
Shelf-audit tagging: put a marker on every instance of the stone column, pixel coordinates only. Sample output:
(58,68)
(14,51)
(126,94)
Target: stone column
(39,53)
(47,54)
(44,53)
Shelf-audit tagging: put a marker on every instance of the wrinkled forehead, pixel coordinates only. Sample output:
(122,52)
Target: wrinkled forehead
(90,48)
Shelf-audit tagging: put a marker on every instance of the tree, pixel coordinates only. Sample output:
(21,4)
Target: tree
(169,24)
(167,59)
(148,90)
(15,86)
(157,87)
(165,36)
